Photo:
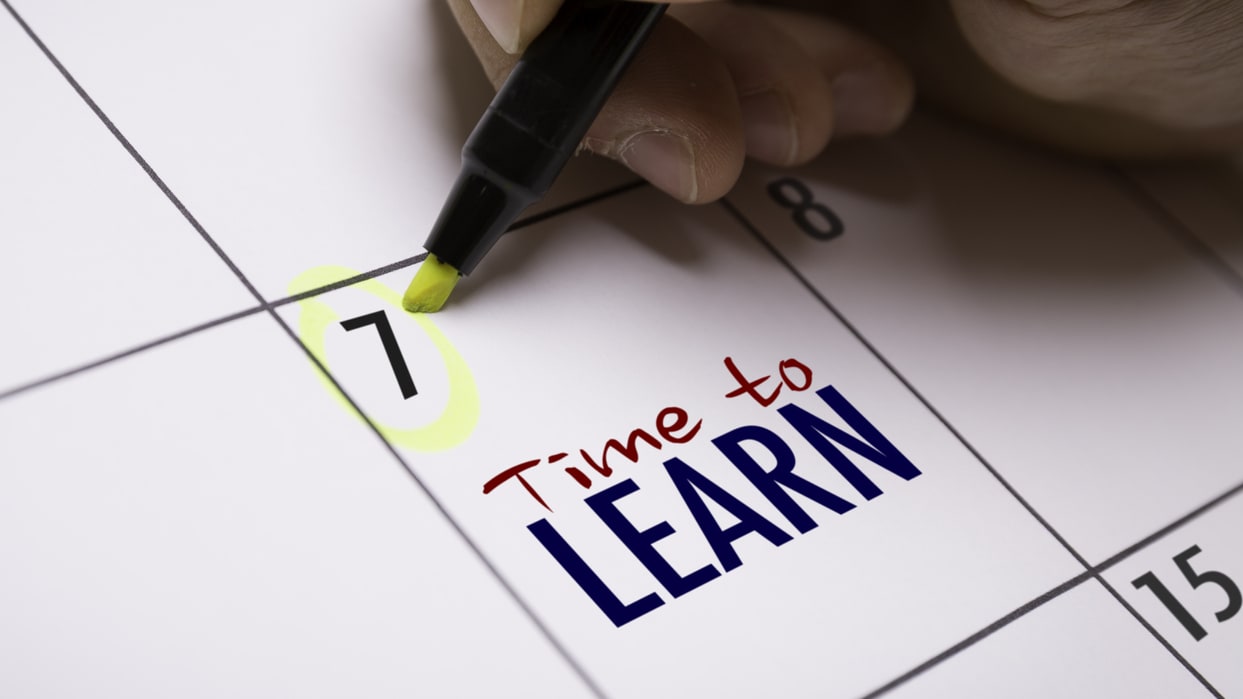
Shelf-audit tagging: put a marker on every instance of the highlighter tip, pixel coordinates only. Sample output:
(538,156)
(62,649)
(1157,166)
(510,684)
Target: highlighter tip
(431,286)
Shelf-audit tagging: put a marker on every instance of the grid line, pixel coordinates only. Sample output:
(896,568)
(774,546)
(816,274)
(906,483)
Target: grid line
(906,383)
(1195,245)
(1173,224)
(264,306)
(1089,570)
(1199,249)
(1002,622)
(301,296)
(1056,592)
(518,599)
(122,354)
(1167,529)
(1157,635)
(133,152)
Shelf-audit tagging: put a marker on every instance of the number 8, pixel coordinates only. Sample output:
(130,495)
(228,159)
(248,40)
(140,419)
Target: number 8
(792,194)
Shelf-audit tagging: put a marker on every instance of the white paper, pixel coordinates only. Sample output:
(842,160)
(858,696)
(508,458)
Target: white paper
(1017,379)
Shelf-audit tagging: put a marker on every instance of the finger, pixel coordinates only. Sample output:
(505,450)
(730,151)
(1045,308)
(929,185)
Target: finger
(496,63)
(872,91)
(674,117)
(787,113)
(1043,97)
(1167,61)
(514,23)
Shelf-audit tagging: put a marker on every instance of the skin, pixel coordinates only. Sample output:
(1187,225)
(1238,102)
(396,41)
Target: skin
(718,82)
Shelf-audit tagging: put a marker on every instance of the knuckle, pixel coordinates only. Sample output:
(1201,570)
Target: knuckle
(1165,60)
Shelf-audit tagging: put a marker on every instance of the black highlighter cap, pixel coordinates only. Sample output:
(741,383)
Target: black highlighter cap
(536,122)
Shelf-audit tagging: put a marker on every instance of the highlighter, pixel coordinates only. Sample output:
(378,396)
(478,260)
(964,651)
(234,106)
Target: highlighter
(528,133)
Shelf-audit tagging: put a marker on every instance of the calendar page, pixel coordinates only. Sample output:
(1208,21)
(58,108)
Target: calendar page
(938,415)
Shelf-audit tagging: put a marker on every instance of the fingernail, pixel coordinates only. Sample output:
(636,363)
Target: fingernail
(503,18)
(870,100)
(768,124)
(664,159)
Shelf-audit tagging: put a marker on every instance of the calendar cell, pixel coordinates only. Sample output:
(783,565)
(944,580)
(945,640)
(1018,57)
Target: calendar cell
(201,521)
(96,260)
(300,134)
(1063,331)
(644,501)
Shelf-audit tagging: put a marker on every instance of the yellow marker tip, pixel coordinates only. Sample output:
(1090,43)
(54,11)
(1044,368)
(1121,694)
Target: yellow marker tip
(431,286)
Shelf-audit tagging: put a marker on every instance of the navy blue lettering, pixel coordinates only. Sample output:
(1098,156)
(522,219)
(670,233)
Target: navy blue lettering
(617,612)
(690,483)
(874,447)
(773,484)
(641,543)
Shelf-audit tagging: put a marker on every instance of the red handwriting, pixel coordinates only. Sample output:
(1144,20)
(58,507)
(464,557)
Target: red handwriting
(516,472)
(672,426)
(751,387)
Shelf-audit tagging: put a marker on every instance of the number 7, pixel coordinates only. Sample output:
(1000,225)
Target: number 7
(380,320)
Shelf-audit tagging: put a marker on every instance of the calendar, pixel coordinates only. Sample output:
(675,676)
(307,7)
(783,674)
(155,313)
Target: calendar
(937,415)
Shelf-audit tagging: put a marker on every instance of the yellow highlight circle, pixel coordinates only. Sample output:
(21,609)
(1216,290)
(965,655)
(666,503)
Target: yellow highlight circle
(461,413)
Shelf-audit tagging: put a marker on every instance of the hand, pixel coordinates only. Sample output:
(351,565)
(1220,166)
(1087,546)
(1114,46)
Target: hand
(719,82)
